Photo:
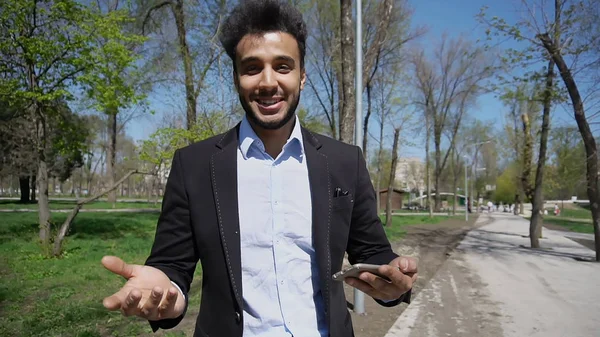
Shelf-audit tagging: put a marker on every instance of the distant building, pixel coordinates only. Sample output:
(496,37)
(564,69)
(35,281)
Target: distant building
(397,199)
(410,174)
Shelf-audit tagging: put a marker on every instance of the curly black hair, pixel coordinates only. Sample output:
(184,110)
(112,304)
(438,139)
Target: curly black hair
(262,16)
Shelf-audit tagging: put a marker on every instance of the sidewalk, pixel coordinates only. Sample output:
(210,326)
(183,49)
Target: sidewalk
(494,285)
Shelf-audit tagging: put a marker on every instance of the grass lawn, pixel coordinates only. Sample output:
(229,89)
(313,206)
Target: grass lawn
(575,226)
(63,297)
(573,211)
(399,224)
(58,204)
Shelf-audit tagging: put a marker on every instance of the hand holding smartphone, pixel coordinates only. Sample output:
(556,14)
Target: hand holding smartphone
(356,269)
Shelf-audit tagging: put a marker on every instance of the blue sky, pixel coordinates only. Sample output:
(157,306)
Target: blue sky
(450,17)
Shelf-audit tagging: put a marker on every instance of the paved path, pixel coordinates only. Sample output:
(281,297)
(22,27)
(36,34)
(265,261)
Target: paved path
(493,285)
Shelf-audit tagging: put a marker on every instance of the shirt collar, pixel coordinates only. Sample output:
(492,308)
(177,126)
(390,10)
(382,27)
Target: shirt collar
(247,137)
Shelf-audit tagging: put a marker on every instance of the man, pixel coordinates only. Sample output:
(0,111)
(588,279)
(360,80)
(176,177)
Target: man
(268,208)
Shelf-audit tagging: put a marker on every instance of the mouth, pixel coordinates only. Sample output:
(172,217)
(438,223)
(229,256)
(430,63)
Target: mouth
(269,105)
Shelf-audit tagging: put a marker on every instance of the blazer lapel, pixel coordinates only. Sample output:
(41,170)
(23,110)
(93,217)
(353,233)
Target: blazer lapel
(224,183)
(321,195)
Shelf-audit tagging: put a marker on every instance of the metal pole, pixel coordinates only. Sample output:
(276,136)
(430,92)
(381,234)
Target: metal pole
(466,194)
(359,296)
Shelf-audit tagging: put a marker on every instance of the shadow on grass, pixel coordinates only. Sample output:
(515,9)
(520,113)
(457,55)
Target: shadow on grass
(18,202)
(86,225)
(113,226)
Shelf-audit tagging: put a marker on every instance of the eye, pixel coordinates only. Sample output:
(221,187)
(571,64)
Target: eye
(252,69)
(284,68)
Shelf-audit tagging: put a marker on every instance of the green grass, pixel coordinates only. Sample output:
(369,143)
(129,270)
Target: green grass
(63,297)
(572,211)
(399,224)
(575,226)
(57,204)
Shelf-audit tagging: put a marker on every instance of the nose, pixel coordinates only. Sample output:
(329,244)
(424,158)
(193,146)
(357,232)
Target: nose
(268,80)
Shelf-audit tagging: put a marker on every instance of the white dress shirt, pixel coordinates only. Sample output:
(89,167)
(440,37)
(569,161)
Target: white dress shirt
(280,279)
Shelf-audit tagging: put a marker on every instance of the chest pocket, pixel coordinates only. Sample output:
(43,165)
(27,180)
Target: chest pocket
(343,202)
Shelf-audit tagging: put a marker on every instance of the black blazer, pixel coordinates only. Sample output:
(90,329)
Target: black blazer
(199,222)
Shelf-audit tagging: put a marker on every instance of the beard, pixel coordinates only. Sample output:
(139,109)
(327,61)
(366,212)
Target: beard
(271,125)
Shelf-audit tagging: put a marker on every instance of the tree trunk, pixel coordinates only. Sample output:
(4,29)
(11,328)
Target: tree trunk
(348,113)
(586,134)
(42,181)
(366,122)
(428,165)
(184,49)
(111,154)
(438,168)
(455,186)
(24,187)
(390,191)
(379,168)
(33,187)
(537,217)
(527,154)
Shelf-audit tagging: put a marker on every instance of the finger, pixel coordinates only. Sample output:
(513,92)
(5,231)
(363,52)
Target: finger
(151,305)
(407,265)
(401,282)
(115,301)
(373,280)
(412,266)
(131,304)
(168,304)
(118,266)
(364,287)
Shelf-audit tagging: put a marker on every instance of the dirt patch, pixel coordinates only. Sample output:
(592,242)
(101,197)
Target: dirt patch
(431,245)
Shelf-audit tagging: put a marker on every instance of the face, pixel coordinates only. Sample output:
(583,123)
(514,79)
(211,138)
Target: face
(269,78)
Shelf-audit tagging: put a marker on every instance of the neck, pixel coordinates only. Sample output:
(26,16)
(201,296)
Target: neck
(274,140)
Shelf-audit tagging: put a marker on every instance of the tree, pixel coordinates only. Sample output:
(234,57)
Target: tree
(566,34)
(446,86)
(346,75)
(390,190)
(506,189)
(553,45)
(197,54)
(568,158)
(159,149)
(44,48)
(384,46)
(520,126)
(112,84)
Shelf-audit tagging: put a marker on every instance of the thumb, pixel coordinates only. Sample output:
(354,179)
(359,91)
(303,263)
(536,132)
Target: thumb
(118,266)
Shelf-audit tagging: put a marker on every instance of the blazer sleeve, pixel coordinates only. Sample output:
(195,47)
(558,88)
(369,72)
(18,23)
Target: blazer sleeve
(367,242)
(174,251)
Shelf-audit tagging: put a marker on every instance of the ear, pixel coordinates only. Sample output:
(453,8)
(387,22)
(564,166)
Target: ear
(302,78)
(236,81)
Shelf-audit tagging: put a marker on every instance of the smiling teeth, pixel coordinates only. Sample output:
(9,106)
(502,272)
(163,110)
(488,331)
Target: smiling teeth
(269,102)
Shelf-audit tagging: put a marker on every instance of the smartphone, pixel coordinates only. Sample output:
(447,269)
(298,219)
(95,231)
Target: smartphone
(355,270)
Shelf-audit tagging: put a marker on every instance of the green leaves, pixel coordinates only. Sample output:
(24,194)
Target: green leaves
(110,79)
(160,147)
(43,48)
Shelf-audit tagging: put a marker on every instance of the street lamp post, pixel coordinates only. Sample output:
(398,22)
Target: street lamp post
(359,296)
(467,181)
